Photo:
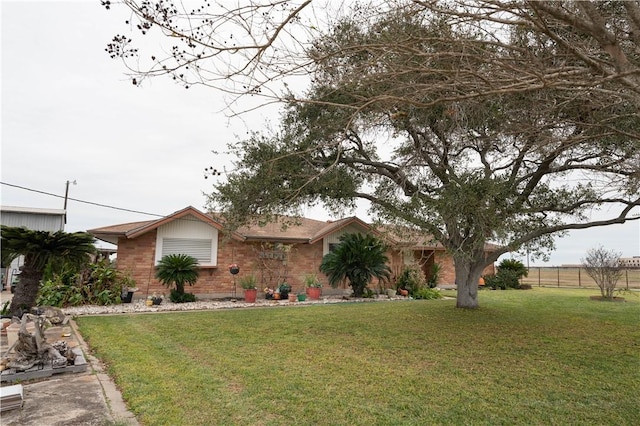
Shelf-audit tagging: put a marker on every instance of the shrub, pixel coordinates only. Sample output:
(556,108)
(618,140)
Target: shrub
(509,273)
(367,293)
(432,282)
(427,293)
(503,280)
(104,285)
(176,297)
(603,266)
(98,284)
(515,266)
(411,279)
(493,282)
(54,292)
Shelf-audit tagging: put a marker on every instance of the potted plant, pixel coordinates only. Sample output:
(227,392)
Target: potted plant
(126,295)
(248,283)
(284,289)
(313,285)
(156,299)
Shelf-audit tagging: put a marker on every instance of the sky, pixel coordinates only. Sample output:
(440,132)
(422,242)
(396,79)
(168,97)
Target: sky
(70,114)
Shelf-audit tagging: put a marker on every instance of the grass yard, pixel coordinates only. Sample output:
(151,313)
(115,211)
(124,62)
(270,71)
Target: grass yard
(544,356)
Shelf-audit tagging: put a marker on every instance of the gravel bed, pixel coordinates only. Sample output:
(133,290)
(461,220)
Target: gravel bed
(139,306)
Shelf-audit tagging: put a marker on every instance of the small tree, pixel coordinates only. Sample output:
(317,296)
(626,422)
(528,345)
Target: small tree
(358,258)
(41,249)
(178,269)
(604,267)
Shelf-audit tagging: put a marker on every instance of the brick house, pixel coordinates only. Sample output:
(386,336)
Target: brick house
(272,252)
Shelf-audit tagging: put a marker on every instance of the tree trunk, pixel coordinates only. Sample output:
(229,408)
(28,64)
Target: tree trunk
(468,274)
(26,292)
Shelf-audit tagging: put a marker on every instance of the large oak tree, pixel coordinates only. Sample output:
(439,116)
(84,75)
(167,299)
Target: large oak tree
(501,121)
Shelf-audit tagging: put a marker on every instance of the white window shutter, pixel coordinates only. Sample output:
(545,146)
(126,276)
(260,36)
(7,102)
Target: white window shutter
(199,249)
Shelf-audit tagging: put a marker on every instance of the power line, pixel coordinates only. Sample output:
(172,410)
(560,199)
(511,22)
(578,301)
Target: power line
(81,201)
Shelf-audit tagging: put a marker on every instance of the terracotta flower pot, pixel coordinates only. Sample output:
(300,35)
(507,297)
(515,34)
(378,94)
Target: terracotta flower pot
(314,293)
(250,295)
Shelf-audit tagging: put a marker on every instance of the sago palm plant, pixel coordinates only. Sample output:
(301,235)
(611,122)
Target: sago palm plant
(358,259)
(40,249)
(178,269)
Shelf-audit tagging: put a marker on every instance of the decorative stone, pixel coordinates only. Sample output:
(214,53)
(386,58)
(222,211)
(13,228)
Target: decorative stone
(53,314)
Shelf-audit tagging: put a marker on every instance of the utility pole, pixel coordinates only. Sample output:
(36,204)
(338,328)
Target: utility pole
(66,197)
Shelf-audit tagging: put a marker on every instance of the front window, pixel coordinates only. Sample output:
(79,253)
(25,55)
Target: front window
(199,249)
(188,236)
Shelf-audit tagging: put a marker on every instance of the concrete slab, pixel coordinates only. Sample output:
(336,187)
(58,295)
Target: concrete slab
(72,400)
(78,398)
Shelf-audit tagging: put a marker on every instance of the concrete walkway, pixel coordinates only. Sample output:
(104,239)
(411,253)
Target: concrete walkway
(68,399)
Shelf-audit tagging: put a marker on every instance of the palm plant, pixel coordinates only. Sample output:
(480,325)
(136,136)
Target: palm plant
(178,269)
(41,249)
(358,258)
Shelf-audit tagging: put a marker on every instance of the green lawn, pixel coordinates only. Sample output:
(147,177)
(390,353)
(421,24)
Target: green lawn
(544,356)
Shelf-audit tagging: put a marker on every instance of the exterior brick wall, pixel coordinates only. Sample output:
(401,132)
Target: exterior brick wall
(136,257)
(447,269)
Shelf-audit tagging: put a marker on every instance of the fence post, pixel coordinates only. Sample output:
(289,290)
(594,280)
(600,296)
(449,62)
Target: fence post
(558,271)
(579,278)
(539,269)
(626,273)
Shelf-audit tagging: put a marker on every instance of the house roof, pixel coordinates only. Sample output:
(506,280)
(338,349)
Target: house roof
(287,229)
(300,229)
(112,233)
(303,230)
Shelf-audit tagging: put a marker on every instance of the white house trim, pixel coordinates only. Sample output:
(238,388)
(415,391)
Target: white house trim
(188,235)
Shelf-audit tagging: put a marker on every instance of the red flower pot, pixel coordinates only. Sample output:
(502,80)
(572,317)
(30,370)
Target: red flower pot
(314,293)
(250,295)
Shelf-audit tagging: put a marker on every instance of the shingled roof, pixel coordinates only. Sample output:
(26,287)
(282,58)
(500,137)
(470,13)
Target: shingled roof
(302,230)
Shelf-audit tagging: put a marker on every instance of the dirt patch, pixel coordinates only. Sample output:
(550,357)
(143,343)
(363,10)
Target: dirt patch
(606,299)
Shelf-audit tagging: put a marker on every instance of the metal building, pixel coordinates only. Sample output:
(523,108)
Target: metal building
(36,219)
